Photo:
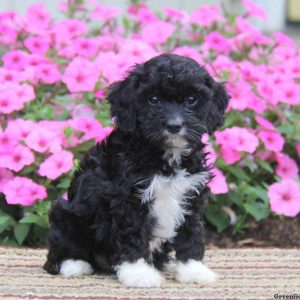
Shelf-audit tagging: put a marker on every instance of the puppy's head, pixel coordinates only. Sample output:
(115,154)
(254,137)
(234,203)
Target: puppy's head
(171,100)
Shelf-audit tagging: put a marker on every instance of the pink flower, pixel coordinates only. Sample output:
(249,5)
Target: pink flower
(43,140)
(70,28)
(206,15)
(291,93)
(286,167)
(254,10)
(217,42)
(8,100)
(56,165)
(48,73)
(230,155)
(174,13)
(237,138)
(218,184)
(20,128)
(24,92)
(10,76)
(15,60)
(80,75)
(104,13)
(285,197)
(85,47)
(257,104)
(8,35)
(7,142)
(5,176)
(157,32)
(273,141)
(17,159)
(265,123)
(23,191)
(38,17)
(37,44)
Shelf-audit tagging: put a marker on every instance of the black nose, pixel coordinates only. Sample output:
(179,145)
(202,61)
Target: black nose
(174,126)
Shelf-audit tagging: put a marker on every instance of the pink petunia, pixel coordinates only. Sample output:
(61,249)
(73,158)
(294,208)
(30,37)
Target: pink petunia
(70,28)
(253,10)
(217,42)
(9,101)
(48,73)
(8,34)
(5,176)
(37,44)
(285,197)
(38,17)
(80,75)
(43,140)
(174,13)
(7,142)
(104,13)
(24,92)
(218,184)
(15,60)
(286,167)
(10,76)
(206,15)
(23,191)
(272,140)
(20,128)
(189,52)
(85,47)
(17,159)
(157,32)
(265,123)
(230,155)
(56,165)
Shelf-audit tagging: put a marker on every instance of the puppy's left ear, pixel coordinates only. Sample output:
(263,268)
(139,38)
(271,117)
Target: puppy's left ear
(122,98)
(220,99)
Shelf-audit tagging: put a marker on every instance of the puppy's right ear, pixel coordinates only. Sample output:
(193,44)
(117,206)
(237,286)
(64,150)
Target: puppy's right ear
(122,98)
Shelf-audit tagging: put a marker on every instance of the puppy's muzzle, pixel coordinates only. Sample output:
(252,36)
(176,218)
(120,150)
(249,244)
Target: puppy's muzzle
(174,125)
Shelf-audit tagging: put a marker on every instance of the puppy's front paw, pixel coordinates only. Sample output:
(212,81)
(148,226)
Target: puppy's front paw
(73,268)
(194,272)
(139,274)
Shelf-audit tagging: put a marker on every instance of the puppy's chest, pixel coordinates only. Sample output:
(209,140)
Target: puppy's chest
(168,197)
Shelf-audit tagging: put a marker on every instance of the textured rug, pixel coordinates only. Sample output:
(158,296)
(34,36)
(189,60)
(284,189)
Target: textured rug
(243,274)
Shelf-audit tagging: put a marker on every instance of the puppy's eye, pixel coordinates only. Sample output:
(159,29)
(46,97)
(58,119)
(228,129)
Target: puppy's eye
(154,100)
(191,100)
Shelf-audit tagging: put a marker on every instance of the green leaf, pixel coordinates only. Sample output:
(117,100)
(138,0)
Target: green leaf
(257,210)
(28,169)
(217,217)
(265,165)
(21,231)
(64,183)
(34,219)
(4,219)
(239,173)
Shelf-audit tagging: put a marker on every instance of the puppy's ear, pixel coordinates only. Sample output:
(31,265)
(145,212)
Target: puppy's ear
(122,98)
(220,99)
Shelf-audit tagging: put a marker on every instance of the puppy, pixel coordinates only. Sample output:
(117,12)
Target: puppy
(139,196)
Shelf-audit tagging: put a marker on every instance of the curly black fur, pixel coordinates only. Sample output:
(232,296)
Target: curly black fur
(104,222)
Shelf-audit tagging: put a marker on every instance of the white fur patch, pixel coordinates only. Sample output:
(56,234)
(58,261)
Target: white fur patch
(194,272)
(139,274)
(72,268)
(168,194)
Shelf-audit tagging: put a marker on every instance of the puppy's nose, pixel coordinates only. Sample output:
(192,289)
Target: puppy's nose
(174,126)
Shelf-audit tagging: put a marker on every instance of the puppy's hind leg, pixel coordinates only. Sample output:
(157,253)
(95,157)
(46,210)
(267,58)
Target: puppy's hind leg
(69,249)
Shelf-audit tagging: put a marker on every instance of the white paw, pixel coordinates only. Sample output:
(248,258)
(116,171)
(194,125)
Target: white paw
(194,271)
(72,268)
(139,274)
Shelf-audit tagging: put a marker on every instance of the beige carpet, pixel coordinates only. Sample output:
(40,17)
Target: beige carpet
(243,274)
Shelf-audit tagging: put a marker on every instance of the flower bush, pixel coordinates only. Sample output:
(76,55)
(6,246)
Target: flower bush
(52,104)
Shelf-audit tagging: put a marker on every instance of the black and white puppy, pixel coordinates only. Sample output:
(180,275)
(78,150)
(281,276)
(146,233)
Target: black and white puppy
(139,196)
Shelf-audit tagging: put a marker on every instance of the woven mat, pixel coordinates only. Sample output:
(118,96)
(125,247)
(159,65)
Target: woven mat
(243,274)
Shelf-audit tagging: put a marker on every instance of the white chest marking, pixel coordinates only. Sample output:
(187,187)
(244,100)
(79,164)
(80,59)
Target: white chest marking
(168,209)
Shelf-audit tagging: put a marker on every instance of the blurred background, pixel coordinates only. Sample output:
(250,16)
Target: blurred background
(284,15)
